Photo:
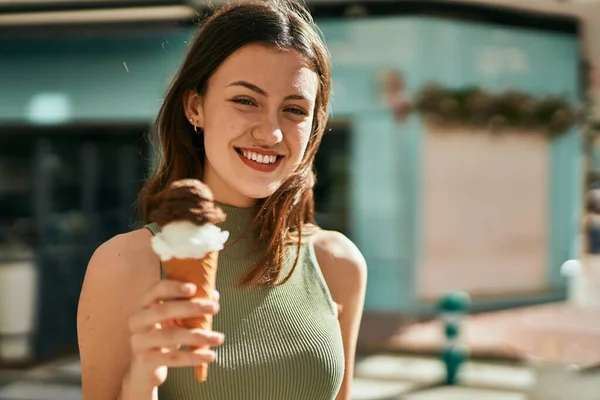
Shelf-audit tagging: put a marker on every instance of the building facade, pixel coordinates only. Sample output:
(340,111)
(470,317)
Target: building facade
(432,209)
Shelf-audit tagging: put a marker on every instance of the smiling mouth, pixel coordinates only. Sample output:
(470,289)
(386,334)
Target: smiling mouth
(258,158)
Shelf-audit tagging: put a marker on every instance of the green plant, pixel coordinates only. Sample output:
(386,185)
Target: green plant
(512,109)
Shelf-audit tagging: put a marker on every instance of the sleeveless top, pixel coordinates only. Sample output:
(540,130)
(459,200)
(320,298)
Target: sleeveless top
(281,343)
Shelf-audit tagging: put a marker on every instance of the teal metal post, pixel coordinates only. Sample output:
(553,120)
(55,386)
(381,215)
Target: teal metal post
(452,309)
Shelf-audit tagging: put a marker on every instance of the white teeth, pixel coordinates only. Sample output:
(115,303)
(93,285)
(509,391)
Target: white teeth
(259,158)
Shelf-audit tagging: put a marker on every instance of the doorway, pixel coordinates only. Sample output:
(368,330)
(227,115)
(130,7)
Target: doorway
(332,188)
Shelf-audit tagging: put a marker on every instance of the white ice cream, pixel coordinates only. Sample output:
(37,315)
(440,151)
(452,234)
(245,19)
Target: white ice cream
(182,239)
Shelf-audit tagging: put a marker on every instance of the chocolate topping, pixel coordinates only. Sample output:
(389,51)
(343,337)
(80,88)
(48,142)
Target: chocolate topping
(186,200)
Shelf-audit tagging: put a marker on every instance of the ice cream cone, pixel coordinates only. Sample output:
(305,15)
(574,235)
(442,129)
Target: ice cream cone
(189,242)
(202,273)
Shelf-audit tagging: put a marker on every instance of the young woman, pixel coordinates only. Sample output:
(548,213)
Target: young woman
(245,114)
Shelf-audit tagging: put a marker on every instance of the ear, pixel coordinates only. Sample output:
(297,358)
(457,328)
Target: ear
(192,106)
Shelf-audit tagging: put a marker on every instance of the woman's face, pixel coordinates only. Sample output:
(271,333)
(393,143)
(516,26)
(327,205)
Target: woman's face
(257,116)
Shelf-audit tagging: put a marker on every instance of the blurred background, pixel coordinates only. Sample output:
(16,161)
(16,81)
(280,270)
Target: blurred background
(462,157)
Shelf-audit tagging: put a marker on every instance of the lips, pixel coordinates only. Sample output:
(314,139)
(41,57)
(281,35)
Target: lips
(260,160)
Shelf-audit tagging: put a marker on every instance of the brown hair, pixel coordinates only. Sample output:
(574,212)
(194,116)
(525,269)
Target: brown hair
(284,25)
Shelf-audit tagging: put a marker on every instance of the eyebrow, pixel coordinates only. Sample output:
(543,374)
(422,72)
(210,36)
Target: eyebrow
(262,92)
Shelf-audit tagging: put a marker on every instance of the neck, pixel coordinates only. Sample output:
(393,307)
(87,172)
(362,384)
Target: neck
(223,193)
(237,221)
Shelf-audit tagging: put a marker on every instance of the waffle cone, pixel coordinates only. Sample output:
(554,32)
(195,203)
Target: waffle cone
(202,273)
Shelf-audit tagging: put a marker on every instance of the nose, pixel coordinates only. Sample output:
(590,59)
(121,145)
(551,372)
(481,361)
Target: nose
(268,133)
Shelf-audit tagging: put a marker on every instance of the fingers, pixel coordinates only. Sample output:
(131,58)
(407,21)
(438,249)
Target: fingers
(149,317)
(174,358)
(172,338)
(166,289)
(177,322)
(171,323)
(157,332)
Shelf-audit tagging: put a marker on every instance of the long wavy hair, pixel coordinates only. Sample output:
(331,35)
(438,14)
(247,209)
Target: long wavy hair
(285,25)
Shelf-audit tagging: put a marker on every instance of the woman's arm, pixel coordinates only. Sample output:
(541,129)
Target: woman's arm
(345,272)
(127,338)
(112,290)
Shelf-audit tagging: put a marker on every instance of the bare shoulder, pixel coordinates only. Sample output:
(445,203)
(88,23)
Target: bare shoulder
(125,262)
(124,248)
(119,273)
(335,251)
(342,265)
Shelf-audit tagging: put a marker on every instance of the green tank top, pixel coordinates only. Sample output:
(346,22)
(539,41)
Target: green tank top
(281,343)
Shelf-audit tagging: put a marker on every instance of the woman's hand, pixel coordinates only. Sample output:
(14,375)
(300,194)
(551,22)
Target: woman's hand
(156,336)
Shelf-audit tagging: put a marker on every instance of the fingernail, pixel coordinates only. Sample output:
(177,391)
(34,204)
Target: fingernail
(216,295)
(188,288)
(217,337)
(211,355)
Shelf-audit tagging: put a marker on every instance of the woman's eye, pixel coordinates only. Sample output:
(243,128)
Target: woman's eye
(295,110)
(244,101)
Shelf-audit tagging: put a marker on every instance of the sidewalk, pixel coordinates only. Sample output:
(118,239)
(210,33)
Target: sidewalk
(378,377)
(387,377)
(60,380)
(397,377)
(557,333)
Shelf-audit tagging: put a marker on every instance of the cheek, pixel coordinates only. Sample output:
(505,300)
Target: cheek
(303,137)
(303,143)
(223,128)
(297,138)
(298,142)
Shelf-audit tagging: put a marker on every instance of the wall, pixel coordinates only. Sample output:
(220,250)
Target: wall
(387,181)
(383,153)
(485,213)
(87,78)
(540,63)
